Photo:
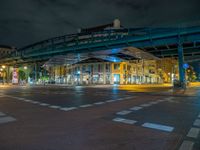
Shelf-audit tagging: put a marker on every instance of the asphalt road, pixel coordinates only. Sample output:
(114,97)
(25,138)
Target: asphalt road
(100,118)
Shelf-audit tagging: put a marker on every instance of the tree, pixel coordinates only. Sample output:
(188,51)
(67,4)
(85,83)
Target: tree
(22,75)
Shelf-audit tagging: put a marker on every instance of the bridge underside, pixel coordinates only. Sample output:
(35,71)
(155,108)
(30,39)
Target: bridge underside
(112,55)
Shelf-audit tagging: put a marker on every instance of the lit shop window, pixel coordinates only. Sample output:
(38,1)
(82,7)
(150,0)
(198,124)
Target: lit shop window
(116,66)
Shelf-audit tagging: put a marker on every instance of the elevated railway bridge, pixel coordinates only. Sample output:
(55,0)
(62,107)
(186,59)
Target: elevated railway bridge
(123,43)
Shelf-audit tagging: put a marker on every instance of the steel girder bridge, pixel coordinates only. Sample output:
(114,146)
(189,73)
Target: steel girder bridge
(181,43)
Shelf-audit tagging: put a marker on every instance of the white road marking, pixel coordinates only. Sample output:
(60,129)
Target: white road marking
(127,121)
(27,100)
(124,112)
(169,98)
(194,132)
(109,101)
(6,119)
(186,145)
(68,108)
(84,106)
(197,123)
(158,127)
(118,119)
(136,108)
(153,103)
(120,99)
(19,98)
(162,100)
(128,97)
(145,105)
(99,103)
(34,102)
(44,104)
(2,114)
(54,107)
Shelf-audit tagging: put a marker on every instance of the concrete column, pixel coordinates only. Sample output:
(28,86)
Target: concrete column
(104,73)
(111,74)
(35,70)
(81,75)
(181,62)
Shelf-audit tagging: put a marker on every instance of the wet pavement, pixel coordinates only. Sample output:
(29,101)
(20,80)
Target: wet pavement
(101,118)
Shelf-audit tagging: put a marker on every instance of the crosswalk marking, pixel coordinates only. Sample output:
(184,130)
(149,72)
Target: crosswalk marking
(6,119)
(44,104)
(145,105)
(194,132)
(109,101)
(158,127)
(84,106)
(124,112)
(68,108)
(54,107)
(187,145)
(2,114)
(197,123)
(99,103)
(136,108)
(126,121)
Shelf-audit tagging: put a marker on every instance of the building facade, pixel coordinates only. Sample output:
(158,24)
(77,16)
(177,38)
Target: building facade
(105,72)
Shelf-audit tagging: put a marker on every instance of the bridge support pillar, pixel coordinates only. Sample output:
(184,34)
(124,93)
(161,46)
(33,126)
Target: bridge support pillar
(35,71)
(181,62)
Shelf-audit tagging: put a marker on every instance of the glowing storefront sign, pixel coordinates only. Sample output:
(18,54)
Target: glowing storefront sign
(15,76)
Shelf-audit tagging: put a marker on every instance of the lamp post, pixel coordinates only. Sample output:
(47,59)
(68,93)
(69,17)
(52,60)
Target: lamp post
(3,72)
(26,76)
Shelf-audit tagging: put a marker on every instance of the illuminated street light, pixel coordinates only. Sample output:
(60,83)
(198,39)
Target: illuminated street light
(25,67)
(1,69)
(3,66)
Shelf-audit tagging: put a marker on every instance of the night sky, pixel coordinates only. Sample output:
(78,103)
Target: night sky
(23,22)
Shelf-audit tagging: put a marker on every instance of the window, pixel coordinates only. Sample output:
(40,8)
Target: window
(107,67)
(116,66)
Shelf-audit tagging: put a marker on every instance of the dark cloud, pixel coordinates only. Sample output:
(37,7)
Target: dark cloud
(26,21)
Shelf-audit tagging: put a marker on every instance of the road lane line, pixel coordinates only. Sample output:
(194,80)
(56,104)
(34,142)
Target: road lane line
(153,103)
(145,105)
(6,119)
(136,108)
(68,108)
(34,102)
(124,112)
(99,103)
(84,106)
(120,99)
(2,114)
(54,106)
(186,145)
(158,127)
(194,132)
(162,100)
(109,101)
(126,121)
(27,100)
(19,98)
(197,123)
(44,104)
(169,98)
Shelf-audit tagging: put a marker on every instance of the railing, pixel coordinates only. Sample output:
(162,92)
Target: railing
(82,41)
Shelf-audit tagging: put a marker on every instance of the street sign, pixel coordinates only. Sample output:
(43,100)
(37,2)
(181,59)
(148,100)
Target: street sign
(185,66)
